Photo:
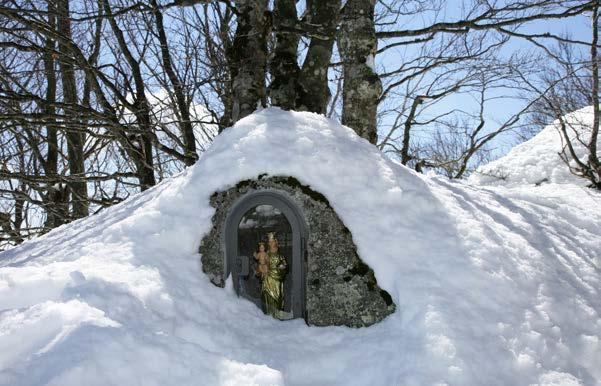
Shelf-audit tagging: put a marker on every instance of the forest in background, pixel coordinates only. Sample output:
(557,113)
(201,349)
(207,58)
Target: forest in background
(101,99)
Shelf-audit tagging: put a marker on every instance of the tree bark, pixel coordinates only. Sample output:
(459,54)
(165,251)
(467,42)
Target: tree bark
(285,89)
(75,138)
(248,58)
(305,88)
(322,15)
(362,87)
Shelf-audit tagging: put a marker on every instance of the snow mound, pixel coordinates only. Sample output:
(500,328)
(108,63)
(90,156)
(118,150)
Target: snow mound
(491,287)
(537,160)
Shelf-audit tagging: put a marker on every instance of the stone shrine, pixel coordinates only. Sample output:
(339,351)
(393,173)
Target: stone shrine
(319,275)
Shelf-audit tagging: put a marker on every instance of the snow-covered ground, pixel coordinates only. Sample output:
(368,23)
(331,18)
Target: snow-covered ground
(538,161)
(493,285)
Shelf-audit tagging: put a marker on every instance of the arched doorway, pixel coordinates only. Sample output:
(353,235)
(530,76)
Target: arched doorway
(251,219)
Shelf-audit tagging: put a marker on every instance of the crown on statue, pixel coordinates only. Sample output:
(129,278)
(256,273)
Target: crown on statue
(271,236)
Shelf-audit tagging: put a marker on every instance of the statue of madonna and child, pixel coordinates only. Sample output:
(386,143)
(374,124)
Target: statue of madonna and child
(271,269)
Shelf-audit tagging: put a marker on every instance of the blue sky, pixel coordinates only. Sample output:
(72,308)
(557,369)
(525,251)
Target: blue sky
(577,27)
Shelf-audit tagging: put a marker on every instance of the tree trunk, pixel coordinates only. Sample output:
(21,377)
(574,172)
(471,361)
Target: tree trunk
(284,90)
(178,89)
(248,58)
(57,211)
(593,160)
(362,87)
(75,138)
(139,147)
(322,14)
(405,156)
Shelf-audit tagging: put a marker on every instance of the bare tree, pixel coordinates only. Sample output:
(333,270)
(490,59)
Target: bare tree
(248,58)
(570,83)
(100,99)
(357,44)
(285,88)
(319,23)
(75,138)
(183,106)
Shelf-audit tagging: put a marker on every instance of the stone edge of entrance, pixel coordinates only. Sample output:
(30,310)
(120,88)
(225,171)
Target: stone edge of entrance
(340,288)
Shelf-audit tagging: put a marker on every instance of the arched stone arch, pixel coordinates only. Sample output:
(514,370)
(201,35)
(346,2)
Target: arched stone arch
(234,257)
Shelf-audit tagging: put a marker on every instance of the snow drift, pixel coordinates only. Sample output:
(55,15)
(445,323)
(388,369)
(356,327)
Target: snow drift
(537,160)
(493,287)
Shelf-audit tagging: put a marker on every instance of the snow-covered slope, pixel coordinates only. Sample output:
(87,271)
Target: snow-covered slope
(537,160)
(491,289)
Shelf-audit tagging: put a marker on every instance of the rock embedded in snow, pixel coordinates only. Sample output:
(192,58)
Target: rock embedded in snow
(339,288)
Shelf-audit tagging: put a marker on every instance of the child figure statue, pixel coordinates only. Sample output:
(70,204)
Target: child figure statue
(262,261)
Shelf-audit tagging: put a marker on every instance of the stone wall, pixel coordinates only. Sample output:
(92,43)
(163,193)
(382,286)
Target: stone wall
(340,288)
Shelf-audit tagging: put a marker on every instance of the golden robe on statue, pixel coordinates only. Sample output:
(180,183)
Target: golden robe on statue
(272,286)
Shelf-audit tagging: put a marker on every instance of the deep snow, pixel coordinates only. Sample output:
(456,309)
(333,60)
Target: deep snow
(537,161)
(493,286)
